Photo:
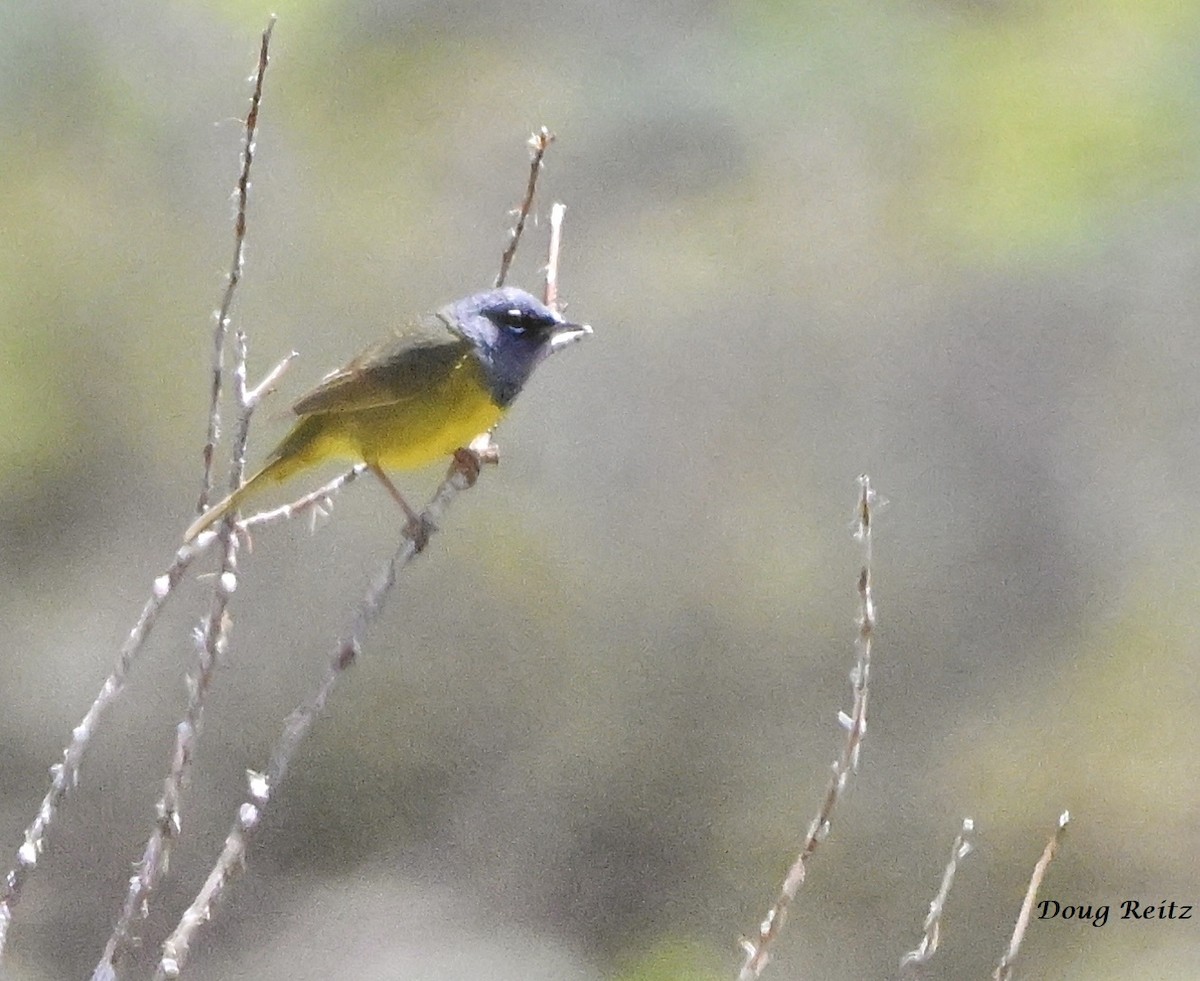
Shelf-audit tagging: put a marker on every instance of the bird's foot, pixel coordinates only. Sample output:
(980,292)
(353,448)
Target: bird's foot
(470,460)
(419,528)
(468,463)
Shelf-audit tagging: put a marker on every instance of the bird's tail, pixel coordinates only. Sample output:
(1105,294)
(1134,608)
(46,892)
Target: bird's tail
(222,508)
(275,471)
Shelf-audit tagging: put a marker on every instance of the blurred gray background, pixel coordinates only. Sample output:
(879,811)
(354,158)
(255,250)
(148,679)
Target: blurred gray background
(951,244)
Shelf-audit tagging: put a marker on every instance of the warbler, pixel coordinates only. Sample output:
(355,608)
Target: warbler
(418,396)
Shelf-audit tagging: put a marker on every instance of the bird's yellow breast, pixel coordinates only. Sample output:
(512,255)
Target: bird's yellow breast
(416,431)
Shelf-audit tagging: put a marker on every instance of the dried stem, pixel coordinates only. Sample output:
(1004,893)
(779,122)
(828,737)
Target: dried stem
(462,475)
(211,640)
(221,330)
(539,143)
(318,501)
(913,963)
(212,636)
(64,776)
(300,722)
(267,385)
(757,950)
(1004,969)
(557,211)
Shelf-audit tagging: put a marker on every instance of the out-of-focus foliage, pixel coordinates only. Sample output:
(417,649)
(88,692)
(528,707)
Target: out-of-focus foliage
(950,243)
(1047,121)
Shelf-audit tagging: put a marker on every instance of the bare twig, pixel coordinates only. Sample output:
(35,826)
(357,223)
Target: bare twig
(212,636)
(247,400)
(300,722)
(211,640)
(462,475)
(557,212)
(1004,969)
(235,271)
(318,500)
(267,385)
(539,143)
(757,950)
(912,963)
(64,776)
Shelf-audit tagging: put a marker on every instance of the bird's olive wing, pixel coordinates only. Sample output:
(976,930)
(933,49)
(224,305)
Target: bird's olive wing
(400,368)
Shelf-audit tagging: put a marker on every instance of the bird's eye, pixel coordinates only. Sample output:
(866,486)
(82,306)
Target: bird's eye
(520,319)
(514,319)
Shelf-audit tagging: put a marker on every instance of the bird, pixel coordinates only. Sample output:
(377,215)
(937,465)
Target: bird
(417,396)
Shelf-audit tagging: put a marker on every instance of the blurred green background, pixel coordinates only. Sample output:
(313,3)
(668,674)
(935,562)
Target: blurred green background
(952,244)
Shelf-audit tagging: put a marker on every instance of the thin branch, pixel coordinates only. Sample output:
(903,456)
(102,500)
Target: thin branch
(318,501)
(557,211)
(64,776)
(757,951)
(462,474)
(262,785)
(267,385)
(211,641)
(539,143)
(913,963)
(1004,969)
(212,636)
(221,330)
(247,400)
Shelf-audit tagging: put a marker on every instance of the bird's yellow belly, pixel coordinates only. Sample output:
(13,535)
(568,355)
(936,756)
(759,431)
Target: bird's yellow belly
(417,431)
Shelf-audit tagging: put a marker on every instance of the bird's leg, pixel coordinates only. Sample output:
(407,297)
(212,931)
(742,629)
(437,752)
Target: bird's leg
(418,528)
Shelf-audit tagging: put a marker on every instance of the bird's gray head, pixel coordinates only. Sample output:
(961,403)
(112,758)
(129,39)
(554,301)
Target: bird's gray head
(511,331)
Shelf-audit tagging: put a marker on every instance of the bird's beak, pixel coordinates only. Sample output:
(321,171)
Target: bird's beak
(566,334)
